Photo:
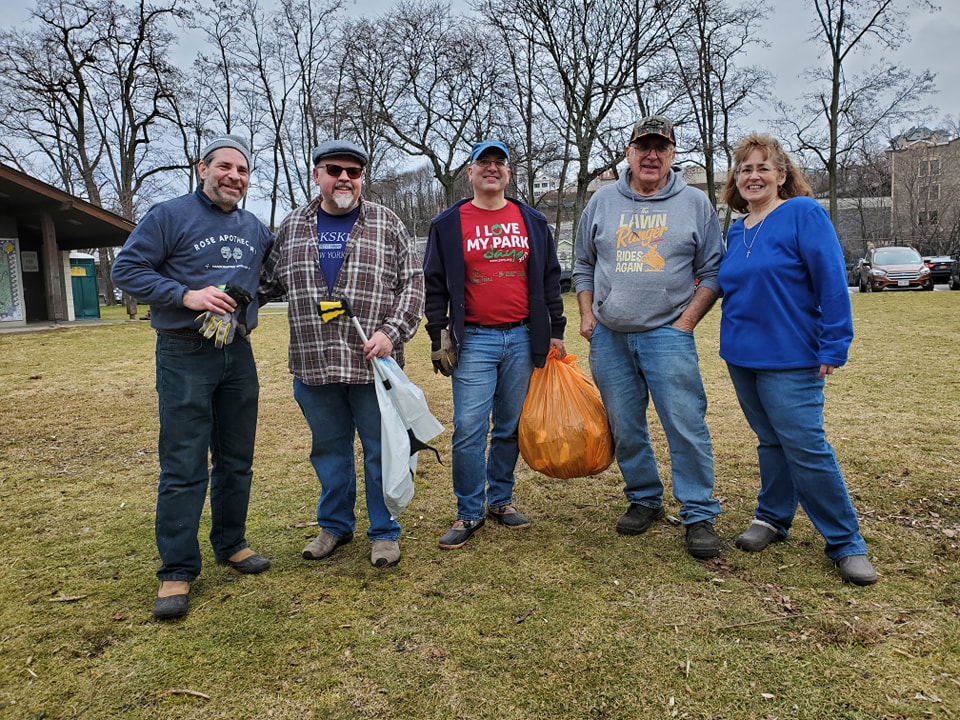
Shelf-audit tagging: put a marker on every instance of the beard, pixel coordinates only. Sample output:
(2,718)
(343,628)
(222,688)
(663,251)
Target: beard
(344,202)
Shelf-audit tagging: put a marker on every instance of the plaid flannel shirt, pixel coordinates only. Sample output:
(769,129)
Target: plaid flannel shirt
(381,276)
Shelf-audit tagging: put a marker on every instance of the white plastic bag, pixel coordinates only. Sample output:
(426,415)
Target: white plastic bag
(403,411)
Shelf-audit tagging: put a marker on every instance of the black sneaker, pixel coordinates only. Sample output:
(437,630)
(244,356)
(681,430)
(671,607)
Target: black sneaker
(702,541)
(638,519)
(459,533)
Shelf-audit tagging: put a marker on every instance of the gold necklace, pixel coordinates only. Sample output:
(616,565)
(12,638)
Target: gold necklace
(757,232)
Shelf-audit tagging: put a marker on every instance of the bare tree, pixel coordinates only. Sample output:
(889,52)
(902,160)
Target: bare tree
(592,56)
(844,108)
(90,86)
(434,83)
(706,48)
(415,195)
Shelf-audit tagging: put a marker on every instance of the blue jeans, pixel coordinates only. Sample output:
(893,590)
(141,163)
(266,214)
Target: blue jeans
(662,364)
(335,413)
(489,383)
(797,464)
(208,402)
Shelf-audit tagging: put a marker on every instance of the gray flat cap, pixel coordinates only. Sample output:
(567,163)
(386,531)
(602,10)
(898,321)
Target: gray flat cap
(334,148)
(227,141)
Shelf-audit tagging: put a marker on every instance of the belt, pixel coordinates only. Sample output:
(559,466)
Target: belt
(501,326)
(184,334)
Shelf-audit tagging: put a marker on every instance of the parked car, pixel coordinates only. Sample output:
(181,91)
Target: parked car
(894,267)
(566,280)
(954,280)
(853,273)
(939,267)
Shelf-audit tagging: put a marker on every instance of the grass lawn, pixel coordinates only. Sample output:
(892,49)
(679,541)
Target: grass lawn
(563,620)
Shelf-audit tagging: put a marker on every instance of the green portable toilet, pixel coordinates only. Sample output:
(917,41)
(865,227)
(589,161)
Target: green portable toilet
(83,277)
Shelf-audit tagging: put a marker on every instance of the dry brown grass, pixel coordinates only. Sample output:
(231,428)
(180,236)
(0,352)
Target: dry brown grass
(564,620)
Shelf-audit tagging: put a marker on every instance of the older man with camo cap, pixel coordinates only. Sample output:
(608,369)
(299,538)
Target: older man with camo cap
(196,261)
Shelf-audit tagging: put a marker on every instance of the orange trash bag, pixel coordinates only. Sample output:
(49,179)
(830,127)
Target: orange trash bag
(563,430)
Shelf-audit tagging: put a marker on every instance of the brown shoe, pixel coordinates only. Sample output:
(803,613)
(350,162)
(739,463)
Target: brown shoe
(385,553)
(324,544)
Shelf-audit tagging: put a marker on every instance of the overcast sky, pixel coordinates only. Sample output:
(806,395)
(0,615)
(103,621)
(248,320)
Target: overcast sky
(934,46)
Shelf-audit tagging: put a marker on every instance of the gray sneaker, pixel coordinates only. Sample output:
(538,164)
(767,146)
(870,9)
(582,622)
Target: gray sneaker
(324,544)
(702,540)
(638,519)
(385,553)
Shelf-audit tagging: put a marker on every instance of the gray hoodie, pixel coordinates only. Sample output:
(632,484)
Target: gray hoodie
(641,255)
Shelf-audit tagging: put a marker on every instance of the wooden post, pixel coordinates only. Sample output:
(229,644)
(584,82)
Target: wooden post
(53,270)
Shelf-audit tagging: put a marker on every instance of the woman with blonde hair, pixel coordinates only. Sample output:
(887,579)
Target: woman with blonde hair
(786,325)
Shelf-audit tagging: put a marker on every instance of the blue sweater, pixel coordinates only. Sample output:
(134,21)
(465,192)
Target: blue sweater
(786,306)
(444,273)
(185,244)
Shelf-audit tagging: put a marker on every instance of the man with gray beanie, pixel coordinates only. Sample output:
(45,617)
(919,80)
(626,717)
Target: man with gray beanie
(196,261)
(342,246)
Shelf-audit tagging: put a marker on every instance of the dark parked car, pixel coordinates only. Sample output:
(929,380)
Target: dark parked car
(955,273)
(894,267)
(939,267)
(566,281)
(853,273)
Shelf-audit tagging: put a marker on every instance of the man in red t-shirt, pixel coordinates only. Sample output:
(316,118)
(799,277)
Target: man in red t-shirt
(493,308)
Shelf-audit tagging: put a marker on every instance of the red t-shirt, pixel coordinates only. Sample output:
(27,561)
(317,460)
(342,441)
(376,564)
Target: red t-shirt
(495,248)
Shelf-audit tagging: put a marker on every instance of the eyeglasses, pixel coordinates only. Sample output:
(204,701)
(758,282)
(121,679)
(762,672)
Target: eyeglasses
(487,162)
(337,170)
(758,169)
(645,147)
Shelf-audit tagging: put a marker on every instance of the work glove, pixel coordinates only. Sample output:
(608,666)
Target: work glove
(223,328)
(442,354)
(219,328)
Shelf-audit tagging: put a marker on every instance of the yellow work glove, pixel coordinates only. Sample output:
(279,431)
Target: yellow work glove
(219,328)
(443,356)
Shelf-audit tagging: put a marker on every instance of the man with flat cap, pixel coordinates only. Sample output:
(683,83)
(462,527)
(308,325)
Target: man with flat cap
(648,250)
(342,246)
(196,261)
(494,309)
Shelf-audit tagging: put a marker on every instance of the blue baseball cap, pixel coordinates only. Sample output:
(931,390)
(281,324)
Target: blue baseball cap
(482,147)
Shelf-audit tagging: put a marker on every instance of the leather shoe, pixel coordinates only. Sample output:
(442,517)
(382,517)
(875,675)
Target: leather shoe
(857,569)
(756,537)
(638,519)
(459,533)
(172,606)
(324,544)
(385,553)
(509,516)
(702,540)
(252,565)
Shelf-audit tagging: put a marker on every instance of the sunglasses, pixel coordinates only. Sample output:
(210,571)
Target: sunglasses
(337,170)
